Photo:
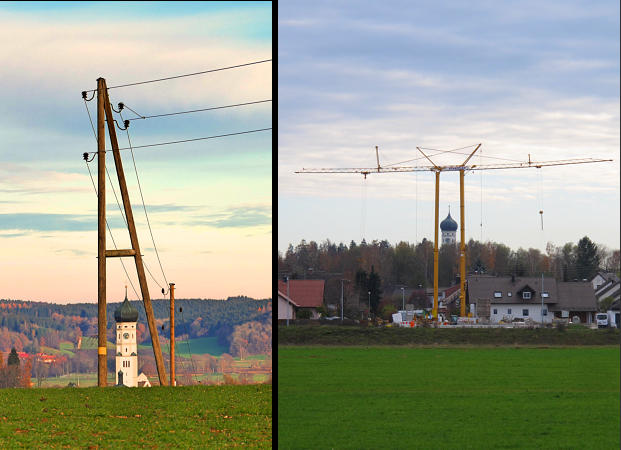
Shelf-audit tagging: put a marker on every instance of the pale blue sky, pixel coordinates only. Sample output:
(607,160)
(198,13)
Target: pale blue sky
(209,201)
(527,77)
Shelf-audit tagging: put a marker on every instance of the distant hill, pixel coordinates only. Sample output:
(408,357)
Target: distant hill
(29,325)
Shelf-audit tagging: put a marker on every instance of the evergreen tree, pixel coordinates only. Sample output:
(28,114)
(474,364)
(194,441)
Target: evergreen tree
(587,259)
(13,358)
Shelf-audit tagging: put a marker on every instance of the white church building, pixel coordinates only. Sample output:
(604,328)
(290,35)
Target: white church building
(126,317)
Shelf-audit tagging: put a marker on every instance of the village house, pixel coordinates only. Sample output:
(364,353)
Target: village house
(303,295)
(286,307)
(509,298)
(606,285)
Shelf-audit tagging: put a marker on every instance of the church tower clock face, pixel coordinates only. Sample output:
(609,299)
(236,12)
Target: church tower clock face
(125,335)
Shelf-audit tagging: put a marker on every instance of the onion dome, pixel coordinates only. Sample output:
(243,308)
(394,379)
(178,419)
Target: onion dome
(448,224)
(126,312)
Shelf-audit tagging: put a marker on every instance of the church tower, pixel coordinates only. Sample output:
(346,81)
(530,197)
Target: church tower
(449,229)
(126,317)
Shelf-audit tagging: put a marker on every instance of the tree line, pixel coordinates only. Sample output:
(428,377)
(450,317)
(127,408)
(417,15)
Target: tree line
(370,267)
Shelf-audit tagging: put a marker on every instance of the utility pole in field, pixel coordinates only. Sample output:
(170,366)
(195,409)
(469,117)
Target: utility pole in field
(104,114)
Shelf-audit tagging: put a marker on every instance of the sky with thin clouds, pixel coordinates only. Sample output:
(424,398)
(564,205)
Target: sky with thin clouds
(209,201)
(521,78)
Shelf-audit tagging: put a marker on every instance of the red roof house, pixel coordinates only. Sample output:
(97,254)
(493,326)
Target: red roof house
(304,293)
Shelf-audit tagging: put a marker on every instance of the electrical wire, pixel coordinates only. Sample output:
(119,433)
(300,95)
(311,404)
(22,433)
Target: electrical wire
(120,209)
(140,116)
(145,208)
(185,75)
(112,237)
(191,140)
(188,342)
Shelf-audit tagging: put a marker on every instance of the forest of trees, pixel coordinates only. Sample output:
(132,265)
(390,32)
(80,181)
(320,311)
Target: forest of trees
(411,265)
(28,326)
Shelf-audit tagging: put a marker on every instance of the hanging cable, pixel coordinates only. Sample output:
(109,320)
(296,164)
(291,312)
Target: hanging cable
(185,75)
(364,209)
(540,195)
(117,202)
(416,211)
(108,173)
(188,342)
(144,207)
(140,116)
(192,140)
(112,237)
(481,172)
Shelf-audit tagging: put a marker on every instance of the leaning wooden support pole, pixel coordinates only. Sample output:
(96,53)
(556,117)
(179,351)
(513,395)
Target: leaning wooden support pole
(144,288)
(462,248)
(102,366)
(173,380)
(435,249)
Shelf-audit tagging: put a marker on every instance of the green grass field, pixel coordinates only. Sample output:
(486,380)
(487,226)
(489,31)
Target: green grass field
(468,397)
(198,346)
(182,417)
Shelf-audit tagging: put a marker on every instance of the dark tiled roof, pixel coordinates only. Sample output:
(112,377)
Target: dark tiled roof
(576,296)
(306,293)
(572,296)
(483,287)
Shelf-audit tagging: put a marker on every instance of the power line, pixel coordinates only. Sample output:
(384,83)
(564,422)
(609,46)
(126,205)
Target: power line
(144,207)
(120,209)
(112,237)
(186,75)
(191,140)
(190,111)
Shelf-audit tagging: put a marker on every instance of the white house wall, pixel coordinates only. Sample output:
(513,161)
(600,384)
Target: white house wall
(285,309)
(502,310)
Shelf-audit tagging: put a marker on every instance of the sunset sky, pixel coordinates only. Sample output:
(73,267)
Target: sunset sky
(209,202)
(526,77)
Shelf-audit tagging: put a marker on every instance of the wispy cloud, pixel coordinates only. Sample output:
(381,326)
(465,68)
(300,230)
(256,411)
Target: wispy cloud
(239,217)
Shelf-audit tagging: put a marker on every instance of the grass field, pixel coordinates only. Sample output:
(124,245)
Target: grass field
(468,397)
(183,417)
(198,346)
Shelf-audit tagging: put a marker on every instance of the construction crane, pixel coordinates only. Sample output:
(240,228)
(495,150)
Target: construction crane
(462,169)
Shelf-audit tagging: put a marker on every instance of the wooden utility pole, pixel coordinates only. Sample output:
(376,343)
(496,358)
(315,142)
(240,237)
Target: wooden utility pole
(102,342)
(103,103)
(173,381)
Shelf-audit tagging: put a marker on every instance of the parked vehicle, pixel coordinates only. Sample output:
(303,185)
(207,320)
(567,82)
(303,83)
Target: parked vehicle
(602,320)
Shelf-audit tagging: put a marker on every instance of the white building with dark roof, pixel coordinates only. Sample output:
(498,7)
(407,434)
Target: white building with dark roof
(508,298)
